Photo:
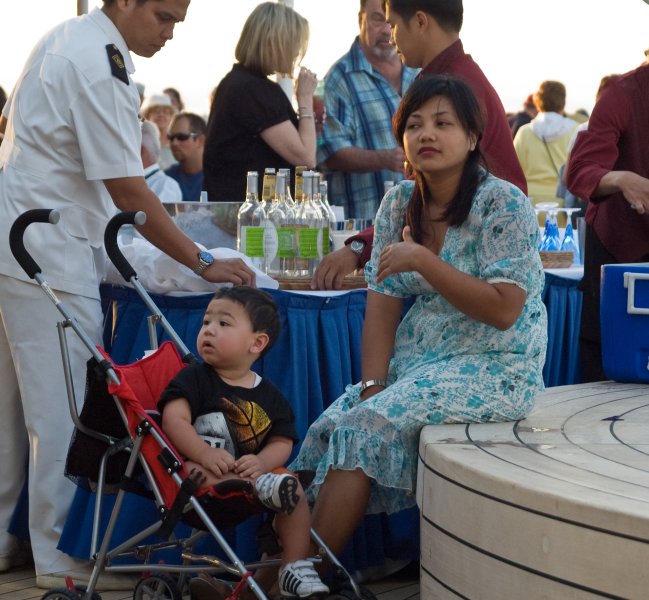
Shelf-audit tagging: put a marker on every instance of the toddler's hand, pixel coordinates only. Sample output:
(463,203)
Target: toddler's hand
(250,466)
(217,460)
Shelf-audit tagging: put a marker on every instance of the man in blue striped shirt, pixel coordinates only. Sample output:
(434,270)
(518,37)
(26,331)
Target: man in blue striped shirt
(361,91)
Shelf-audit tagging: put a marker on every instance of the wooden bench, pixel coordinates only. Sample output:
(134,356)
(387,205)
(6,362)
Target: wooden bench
(555,506)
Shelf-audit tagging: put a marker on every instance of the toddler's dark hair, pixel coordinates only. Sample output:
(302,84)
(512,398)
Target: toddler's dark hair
(259,306)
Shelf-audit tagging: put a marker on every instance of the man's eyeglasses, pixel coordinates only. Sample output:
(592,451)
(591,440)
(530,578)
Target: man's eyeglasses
(181,137)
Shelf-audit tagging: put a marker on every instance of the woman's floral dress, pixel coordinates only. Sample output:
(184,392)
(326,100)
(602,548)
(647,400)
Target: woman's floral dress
(447,367)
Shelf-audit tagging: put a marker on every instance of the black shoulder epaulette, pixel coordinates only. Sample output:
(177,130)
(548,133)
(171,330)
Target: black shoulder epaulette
(116,60)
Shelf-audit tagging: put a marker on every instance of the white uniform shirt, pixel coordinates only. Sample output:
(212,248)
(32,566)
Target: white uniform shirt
(164,187)
(71,124)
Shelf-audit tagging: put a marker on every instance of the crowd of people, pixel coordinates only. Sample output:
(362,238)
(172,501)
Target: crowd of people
(456,231)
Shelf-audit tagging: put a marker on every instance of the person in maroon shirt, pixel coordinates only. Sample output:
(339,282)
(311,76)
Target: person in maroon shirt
(609,166)
(427,34)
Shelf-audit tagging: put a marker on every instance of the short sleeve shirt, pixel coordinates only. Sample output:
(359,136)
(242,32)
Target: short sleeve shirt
(359,104)
(246,103)
(71,124)
(241,420)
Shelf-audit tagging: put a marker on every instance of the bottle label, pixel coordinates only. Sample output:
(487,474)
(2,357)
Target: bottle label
(252,240)
(308,246)
(286,242)
(325,241)
(270,242)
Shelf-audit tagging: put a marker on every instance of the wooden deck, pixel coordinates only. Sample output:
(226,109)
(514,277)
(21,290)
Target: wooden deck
(20,584)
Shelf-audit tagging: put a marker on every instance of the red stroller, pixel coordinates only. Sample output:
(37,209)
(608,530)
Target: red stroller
(135,438)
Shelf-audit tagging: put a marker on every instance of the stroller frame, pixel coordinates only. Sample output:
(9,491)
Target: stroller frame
(100,552)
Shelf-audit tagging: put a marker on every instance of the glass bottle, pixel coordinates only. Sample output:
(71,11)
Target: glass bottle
(268,185)
(331,215)
(307,224)
(323,226)
(287,194)
(278,241)
(250,231)
(298,190)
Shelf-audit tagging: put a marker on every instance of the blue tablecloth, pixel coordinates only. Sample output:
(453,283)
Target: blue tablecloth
(562,300)
(317,354)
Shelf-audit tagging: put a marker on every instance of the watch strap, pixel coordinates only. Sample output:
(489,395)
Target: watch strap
(202,264)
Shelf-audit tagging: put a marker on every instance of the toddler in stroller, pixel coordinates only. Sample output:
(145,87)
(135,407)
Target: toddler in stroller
(244,482)
(237,430)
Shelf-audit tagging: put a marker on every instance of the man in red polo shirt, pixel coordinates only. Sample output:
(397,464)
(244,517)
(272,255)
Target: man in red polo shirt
(426,34)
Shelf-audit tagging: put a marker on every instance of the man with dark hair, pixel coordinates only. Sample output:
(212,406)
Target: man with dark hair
(187,138)
(361,92)
(426,34)
(72,143)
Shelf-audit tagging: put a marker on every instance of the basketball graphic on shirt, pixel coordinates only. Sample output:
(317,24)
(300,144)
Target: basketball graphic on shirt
(249,423)
(214,430)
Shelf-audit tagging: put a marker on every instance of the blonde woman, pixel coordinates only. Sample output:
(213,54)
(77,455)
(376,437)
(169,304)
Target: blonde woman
(252,124)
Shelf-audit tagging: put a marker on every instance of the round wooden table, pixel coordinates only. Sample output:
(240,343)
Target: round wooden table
(554,506)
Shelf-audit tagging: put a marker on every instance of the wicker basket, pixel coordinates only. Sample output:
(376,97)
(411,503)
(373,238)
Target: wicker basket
(351,282)
(557,260)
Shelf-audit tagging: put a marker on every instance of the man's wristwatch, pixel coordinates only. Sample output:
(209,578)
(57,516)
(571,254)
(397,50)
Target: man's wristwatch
(205,259)
(357,247)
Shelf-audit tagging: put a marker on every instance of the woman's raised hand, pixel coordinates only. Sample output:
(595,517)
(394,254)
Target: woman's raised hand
(400,257)
(305,86)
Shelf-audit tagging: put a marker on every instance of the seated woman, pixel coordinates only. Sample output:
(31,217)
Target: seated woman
(471,348)
(252,124)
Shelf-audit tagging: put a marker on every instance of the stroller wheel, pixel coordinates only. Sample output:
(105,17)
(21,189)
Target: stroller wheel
(157,587)
(81,590)
(66,594)
(347,593)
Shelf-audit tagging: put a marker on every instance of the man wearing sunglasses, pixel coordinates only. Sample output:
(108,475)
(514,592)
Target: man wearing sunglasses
(187,138)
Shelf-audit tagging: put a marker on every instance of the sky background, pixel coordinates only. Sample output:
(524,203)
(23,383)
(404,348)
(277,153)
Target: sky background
(518,43)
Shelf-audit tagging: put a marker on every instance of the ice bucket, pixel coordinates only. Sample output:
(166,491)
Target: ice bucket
(212,224)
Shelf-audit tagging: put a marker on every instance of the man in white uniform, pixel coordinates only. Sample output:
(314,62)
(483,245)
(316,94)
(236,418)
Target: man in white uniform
(72,142)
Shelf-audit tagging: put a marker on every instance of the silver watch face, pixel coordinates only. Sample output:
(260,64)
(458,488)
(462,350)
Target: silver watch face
(357,247)
(205,258)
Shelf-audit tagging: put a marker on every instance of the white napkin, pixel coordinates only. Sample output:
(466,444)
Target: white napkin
(161,274)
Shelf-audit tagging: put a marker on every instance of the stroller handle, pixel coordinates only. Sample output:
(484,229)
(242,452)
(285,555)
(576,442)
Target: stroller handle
(17,232)
(110,241)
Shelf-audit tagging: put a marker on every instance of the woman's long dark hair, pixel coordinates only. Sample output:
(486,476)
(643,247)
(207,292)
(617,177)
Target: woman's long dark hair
(466,106)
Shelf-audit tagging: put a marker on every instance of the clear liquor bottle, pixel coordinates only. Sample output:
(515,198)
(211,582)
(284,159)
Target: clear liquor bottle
(268,185)
(250,230)
(298,189)
(323,226)
(287,176)
(330,216)
(309,230)
(277,249)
